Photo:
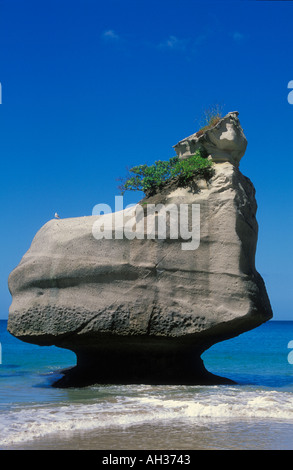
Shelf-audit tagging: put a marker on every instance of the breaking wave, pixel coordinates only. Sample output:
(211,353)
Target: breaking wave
(190,405)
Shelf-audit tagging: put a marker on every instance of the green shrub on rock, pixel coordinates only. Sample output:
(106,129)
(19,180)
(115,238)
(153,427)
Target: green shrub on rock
(150,179)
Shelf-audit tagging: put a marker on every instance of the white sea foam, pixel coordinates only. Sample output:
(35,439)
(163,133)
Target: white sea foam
(32,422)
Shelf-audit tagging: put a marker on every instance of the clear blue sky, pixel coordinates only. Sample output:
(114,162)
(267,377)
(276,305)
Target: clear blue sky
(90,87)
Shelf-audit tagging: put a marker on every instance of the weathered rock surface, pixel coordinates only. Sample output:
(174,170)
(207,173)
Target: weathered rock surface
(224,142)
(144,310)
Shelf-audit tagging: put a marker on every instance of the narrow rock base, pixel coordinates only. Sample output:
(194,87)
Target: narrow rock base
(181,366)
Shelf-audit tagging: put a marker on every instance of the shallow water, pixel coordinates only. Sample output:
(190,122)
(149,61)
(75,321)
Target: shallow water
(257,413)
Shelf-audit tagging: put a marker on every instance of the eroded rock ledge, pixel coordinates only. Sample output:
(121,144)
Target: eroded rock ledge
(144,310)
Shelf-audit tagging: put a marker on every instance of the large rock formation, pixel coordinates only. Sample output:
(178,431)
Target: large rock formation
(142,309)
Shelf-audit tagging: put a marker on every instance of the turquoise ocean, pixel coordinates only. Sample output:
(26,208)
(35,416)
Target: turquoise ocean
(254,414)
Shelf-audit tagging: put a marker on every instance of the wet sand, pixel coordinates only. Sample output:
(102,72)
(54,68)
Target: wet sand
(248,435)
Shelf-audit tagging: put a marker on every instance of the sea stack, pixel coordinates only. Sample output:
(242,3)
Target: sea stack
(143,309)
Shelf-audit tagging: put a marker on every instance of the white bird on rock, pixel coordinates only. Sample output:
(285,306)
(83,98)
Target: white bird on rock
(56,216)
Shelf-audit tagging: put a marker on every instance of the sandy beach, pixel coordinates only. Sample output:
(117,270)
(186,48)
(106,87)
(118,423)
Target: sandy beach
(247,435)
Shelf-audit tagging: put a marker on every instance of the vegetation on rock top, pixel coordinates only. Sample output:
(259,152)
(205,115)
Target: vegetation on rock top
(150,179)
